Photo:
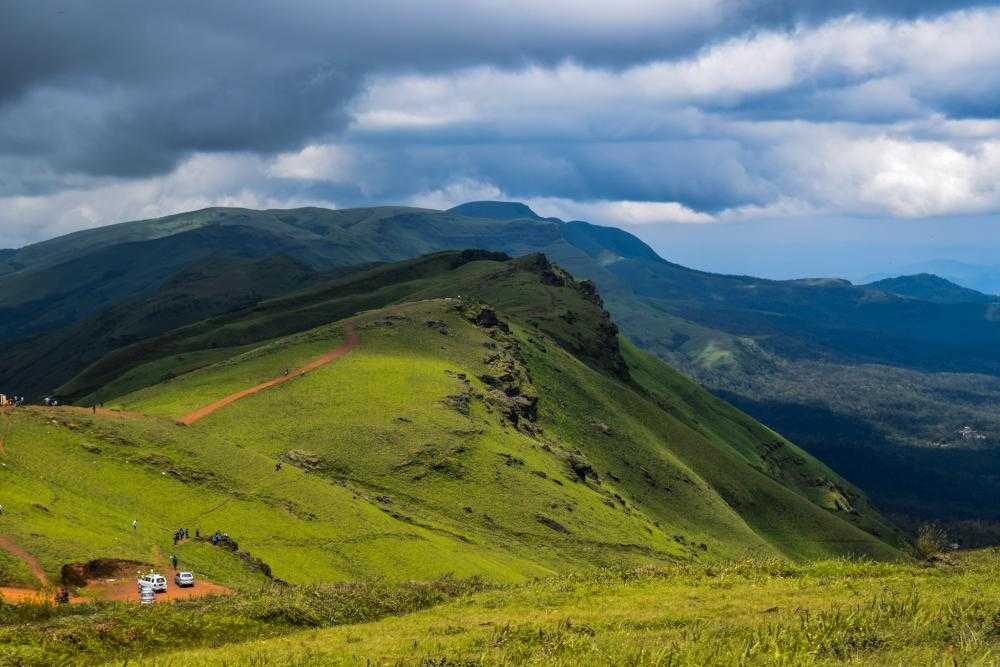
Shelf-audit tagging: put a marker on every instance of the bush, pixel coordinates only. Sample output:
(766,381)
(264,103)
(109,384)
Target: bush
(931,540)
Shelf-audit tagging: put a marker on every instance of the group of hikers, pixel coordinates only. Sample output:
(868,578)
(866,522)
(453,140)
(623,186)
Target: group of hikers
(220,538)
(11,401)
(14,401)
(183,534)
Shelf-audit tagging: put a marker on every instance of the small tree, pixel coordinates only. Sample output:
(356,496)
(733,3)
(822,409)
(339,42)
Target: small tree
(931,540)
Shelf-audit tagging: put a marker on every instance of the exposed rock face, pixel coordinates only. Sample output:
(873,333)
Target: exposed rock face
(540,264)
(460,401)
(438,325)
(305,460)
(551,523)
(485,317)
(597,344)
(589,291)
(79,574)
(511,393)
(581,468)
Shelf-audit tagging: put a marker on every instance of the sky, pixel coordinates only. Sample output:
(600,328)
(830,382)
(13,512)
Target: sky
(775,138)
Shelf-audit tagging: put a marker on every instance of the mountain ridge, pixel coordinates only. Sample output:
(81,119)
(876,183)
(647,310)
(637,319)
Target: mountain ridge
(768,346)
(481,416)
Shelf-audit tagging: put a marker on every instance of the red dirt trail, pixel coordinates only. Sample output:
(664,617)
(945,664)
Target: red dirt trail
(339,351)
(25,594)
(107,412)
(36,569)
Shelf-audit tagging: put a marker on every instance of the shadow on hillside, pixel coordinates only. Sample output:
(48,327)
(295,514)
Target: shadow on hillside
(919,482)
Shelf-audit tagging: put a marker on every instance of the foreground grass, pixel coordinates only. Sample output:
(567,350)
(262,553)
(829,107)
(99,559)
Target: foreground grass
(40,634)
(754,612)
(746,613)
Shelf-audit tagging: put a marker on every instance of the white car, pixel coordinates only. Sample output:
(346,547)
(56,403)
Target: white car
(184,579)
(146,595)
(155,581)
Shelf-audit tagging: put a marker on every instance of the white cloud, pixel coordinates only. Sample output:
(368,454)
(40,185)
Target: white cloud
(618,212)
(235,180)
(904,61)
(902,177)
(876,142)
(319,162)
(455,193)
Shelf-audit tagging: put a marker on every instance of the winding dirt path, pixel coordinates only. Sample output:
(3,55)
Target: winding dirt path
(36,569)
(106,412)
(336,353)
(12,594)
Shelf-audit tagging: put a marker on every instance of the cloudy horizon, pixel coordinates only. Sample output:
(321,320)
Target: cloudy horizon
(728,134)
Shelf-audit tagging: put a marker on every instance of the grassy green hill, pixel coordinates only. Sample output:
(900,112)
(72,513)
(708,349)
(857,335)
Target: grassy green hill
(490,421)
(879,384)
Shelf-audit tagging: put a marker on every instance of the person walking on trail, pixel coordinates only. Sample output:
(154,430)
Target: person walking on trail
(135,524)
(277,466)
(173,560)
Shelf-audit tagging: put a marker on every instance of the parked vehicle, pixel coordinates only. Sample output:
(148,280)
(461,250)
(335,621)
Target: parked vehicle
(184,579)
(146,595)
(157,582)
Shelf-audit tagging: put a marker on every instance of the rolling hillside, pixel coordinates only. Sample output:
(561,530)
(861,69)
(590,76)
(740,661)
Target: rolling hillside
(487,419)
(882,385)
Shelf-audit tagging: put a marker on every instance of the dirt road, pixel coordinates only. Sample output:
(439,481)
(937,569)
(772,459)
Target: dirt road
(10,547)
(11,594)
(339,351)
(126,589)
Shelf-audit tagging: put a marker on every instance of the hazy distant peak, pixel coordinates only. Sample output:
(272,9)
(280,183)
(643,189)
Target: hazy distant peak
(929,287)
(495,210)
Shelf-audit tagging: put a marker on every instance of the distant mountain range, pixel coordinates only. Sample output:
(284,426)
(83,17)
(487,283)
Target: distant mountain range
(982,278)
(878,380)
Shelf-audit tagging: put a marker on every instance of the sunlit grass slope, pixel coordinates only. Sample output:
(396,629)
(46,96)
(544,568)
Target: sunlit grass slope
(73,483)
(642,466)
(489,422)
(747,613)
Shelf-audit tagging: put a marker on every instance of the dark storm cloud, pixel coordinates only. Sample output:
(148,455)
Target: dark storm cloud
(114,109)
(128,89)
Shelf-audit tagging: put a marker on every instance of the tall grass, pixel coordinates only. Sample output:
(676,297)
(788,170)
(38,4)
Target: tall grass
(41,634)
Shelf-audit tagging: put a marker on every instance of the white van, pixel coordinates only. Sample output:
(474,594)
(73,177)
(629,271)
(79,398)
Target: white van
(157,582)
(146,595)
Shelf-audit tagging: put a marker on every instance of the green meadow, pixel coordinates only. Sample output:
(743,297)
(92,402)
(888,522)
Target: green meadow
(490,435)
(748,612)
(743,613)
